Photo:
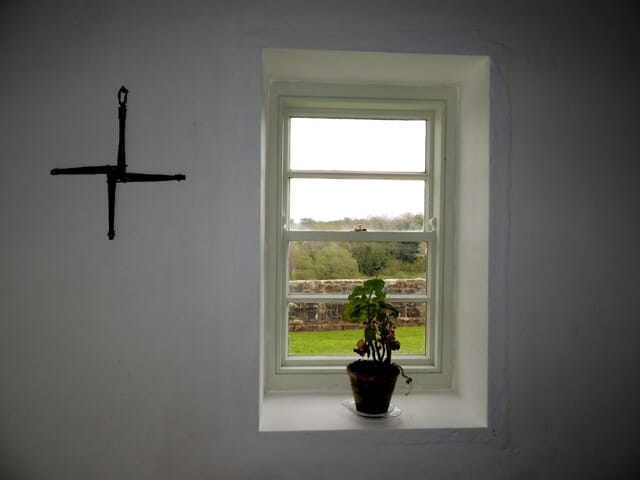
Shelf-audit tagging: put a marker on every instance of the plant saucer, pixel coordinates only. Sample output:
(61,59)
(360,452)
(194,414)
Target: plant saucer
(392,412)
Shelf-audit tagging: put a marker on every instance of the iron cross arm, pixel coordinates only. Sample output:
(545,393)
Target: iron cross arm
(117,173)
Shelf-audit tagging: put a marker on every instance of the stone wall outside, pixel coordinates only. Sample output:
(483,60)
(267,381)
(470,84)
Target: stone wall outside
(328,316)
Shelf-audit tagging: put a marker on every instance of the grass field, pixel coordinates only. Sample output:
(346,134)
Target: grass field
(342,342)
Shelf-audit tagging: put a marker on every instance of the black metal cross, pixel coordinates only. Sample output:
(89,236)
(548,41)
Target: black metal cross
(117,173)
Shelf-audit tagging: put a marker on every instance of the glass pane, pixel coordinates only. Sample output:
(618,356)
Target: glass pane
(336,267)
(326,204)
(318,329)
(349,144)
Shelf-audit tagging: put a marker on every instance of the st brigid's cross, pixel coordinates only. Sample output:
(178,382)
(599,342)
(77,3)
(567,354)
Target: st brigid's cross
(117,173)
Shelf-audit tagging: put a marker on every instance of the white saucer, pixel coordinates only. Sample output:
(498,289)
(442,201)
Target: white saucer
(392,412)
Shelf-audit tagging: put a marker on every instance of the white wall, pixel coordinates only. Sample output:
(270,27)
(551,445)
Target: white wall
(138,358)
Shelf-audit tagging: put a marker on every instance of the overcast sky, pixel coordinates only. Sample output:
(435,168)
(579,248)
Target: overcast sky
(356,145)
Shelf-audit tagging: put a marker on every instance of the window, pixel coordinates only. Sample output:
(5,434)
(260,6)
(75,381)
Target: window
(468,395)
(360,182)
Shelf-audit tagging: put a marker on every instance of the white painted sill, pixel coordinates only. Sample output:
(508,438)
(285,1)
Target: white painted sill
(282,412)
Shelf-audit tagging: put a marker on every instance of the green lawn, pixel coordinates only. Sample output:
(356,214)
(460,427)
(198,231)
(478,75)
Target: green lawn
(342,342)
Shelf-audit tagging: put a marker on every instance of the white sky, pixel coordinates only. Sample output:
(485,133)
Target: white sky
(356,145)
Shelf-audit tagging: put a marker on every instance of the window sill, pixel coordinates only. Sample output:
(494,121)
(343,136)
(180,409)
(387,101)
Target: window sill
(321,412)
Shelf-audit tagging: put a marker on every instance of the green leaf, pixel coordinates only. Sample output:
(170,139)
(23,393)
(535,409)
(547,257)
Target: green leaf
(358,291)
(353,312)
(374,284)
(387,306)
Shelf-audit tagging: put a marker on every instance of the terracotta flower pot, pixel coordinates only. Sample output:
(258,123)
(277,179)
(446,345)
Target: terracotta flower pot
(372,384)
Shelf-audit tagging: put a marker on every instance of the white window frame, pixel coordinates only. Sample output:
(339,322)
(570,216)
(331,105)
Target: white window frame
(439,107)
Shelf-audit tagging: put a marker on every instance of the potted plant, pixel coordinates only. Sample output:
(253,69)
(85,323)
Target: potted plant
(373,379)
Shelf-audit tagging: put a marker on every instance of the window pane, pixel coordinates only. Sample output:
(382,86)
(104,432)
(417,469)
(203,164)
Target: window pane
(349,144)
(318,329)
(325,204)
(337,267)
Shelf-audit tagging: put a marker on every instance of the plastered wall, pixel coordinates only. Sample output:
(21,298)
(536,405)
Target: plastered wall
(138,358)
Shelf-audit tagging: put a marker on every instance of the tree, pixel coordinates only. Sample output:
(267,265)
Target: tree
(333,261)
(318,261)
(301,263)
(406,251)
(372,257)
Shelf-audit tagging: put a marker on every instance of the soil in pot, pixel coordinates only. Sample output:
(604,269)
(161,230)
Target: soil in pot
(372,384)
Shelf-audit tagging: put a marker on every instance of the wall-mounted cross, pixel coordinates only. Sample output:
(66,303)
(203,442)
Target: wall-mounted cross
(117,173)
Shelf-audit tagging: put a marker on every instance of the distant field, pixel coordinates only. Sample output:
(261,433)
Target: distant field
(342,342)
